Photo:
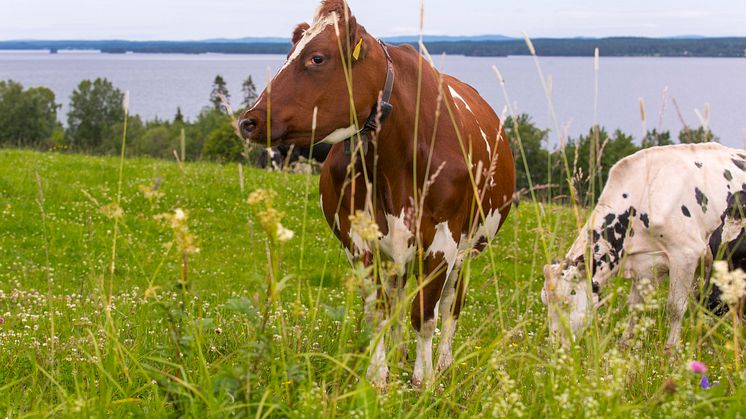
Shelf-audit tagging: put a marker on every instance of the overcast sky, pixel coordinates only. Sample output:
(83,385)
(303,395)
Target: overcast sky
(203,19)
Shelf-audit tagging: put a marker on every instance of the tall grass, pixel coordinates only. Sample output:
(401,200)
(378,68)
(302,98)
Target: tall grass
(212,309)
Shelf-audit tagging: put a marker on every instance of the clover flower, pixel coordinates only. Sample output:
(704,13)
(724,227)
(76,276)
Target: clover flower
(698,367)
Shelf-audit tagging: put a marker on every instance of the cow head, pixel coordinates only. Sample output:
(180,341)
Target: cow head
(314,76)
(568,298)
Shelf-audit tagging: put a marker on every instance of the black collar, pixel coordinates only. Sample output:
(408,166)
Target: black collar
(381,110)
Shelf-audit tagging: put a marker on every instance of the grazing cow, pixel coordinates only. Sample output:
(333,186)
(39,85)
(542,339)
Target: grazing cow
(437,176)
(728,242)
(284,155)
(654,217)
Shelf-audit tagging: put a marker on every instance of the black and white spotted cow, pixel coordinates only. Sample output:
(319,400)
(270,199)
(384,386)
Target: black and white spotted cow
(654,218)
(728,242)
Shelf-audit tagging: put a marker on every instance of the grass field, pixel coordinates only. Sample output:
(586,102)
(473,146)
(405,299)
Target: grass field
(174,332)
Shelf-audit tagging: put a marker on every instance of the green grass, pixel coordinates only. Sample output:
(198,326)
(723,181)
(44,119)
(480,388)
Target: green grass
(205,346)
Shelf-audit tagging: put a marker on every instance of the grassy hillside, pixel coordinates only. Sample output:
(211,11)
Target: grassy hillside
(206,342)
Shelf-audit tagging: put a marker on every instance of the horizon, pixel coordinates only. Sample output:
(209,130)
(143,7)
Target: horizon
(277,39)
(191,20)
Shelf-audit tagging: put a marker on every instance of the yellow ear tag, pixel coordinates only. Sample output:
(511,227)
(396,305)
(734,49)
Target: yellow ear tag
(356,52)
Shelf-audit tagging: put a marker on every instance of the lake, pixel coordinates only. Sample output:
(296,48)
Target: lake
(158,83)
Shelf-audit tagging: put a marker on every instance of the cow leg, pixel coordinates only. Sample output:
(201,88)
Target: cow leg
(424,319)
(375,317)
(682,277)
(397,299)
(634,299)
(450,307)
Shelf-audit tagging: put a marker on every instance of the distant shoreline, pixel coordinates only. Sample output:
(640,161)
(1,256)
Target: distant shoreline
(734,47)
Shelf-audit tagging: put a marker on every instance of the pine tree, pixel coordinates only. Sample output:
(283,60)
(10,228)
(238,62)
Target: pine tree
(179,116)
(219,89)
(249,92)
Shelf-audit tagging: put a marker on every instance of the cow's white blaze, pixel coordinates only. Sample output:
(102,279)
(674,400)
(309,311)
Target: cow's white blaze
(457,96)
(397,242)
(489,226)
(486,142)
(444,243)
(359,244)
(319,25)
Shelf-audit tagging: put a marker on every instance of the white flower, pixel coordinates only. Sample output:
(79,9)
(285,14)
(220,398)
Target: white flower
(732,284)
(284,234)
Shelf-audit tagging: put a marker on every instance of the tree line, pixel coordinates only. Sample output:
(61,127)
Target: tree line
(28,118)
(583,163)
(611,47)
(94,123)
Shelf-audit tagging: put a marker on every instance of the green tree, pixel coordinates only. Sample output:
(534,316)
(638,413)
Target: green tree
(179,117)
(656,138)
(28,118)
(95,107)
(219,88)
(197,132)
(223,145)
(249,93)
(696,136)
(156,141)
(531,138)
(589,176)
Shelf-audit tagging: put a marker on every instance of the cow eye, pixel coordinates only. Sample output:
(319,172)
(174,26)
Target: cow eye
(317,59)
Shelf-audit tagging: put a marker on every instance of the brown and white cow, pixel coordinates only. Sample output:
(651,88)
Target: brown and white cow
(452,132)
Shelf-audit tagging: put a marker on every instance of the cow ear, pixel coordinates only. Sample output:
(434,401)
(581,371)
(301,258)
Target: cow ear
(358,40)
(299,31)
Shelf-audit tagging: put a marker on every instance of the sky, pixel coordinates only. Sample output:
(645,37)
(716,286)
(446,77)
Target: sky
(206,19)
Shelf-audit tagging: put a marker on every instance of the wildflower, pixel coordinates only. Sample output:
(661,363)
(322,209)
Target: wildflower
(732,284)
(284,234)
(698,367)
(218,330)
(185,241)
(262,196)
(112,211)
(151,193)
(363,224)
(2,320)
(705,383)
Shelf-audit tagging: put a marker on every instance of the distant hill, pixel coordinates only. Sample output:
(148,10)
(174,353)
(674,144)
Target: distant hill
(410,39)
(485,46)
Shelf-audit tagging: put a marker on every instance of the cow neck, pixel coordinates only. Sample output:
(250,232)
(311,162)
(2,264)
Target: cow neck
(380,112)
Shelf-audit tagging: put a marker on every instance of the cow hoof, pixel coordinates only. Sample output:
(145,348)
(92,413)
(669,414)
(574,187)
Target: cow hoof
(378,377)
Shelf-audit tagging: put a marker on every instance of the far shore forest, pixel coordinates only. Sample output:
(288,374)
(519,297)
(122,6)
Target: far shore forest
(94,125)
(550,47)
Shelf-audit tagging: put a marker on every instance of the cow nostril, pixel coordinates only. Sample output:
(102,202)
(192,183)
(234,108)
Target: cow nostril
(247,126)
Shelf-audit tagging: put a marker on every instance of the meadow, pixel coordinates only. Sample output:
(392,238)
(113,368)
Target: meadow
(157,292)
